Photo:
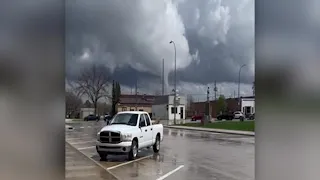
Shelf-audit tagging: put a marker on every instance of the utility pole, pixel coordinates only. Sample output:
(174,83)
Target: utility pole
(215,90)
(234,94)
(253,88)
(208,105)
(136,94)
(162,77)
(239,86)
(208,101)
(175,83)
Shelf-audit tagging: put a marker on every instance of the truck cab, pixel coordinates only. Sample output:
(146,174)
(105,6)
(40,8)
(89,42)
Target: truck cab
(128,132)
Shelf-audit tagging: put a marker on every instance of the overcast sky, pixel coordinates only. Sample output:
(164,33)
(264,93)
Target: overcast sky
(130,38)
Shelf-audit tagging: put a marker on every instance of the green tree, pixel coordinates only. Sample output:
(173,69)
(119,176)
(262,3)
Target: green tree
(116,92)
(221,104)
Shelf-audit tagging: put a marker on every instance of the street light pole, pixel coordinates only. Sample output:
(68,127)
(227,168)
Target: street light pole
(239,85)
(175,82)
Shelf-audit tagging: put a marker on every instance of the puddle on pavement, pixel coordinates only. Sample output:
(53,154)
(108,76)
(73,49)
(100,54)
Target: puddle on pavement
(146,169)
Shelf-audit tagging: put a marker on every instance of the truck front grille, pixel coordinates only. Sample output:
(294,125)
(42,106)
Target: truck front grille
(110,137)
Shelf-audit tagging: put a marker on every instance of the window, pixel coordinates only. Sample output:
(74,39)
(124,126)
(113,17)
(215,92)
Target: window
(127,118)
(142,122)
(173,110)
(147,119)
(131,109)
(140,109)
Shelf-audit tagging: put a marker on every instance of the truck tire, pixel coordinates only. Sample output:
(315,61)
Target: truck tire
(103,156)
(134,150)
(156,146)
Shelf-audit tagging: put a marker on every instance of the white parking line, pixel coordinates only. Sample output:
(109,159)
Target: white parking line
(90,147)
(171,172)
(122,164)
(97,163)
(83,142)
(68,139)
(78,138)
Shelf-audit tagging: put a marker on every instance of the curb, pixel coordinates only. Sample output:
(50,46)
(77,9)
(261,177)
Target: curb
(213,131)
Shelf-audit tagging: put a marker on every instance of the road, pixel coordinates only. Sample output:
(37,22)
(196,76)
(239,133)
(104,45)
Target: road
(184,155)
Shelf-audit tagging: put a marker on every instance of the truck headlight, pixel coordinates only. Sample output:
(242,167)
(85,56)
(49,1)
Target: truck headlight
(126,137)
(98,135)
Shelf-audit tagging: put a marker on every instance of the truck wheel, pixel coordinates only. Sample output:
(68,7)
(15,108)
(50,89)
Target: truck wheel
(156,146)
(134,150)
(103,156)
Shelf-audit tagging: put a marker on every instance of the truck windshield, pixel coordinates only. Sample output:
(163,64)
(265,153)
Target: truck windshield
(127,119)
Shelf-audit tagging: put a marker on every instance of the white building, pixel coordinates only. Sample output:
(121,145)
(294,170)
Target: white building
(163,109)
(248,105)
(85,112)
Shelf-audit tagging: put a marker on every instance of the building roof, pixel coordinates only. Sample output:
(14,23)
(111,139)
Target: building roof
(137,99)
(247,97)
(161,100)
(132,112)
(228,99)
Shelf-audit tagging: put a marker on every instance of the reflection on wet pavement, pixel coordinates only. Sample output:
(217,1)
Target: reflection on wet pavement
(204,155)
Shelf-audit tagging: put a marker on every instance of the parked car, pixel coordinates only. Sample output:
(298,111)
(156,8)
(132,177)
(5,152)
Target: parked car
(226,116)
(91,117)
(107,117)
(251,116)
(127,133)
(196,117)
(239,115)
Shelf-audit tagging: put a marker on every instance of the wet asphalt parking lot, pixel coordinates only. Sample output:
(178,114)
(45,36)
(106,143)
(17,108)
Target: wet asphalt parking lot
(184,155)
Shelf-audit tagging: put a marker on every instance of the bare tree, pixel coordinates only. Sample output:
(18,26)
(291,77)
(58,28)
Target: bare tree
(93,82)
(103,108)
(73,104)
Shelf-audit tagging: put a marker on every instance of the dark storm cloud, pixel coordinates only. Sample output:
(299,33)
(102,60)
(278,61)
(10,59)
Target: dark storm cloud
(118,34)
(212,38)
(226,44)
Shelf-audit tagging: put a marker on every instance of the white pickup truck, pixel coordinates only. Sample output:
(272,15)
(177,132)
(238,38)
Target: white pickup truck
(128,132)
